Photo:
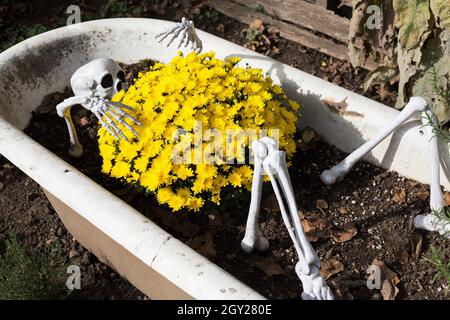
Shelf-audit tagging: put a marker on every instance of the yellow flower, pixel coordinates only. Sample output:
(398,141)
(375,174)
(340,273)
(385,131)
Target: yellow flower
(167,158)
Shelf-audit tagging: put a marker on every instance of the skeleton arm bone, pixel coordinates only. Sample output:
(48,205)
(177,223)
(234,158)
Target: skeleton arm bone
(63,110)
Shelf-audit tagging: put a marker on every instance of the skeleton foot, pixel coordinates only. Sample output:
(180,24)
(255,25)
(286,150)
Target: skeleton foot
(255,241)
(314,287)
(431,222)
(186,29)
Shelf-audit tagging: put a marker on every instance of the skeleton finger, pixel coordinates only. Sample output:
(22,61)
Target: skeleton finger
(113,125)
(184,37)
(106,125)
(166,33)
(120,120)
(175,35)
(124,114)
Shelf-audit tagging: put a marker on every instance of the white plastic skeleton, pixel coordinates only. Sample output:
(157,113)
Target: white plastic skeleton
(93,85)
(186,29)
(428,222)
(271,161)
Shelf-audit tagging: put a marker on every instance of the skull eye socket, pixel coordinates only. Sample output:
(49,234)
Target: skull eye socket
(121,76)
(107,81)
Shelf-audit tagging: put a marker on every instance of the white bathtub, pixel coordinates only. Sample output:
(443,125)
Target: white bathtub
(150,258)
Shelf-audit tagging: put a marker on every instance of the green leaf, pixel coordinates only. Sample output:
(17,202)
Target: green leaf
(412,20)
(441,11)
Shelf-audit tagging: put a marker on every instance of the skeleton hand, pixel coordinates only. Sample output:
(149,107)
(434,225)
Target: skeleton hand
(314,287)
(188,35)
(94,84)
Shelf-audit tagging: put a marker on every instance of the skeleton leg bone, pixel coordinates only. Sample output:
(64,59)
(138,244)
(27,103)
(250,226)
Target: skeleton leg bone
(431,222)
(338,172)
(308,267)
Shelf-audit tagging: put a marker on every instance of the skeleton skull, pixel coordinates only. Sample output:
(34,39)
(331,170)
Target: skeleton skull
(94,84)
(101,77)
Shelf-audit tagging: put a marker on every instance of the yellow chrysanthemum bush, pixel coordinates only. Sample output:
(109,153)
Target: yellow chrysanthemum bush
(199,114)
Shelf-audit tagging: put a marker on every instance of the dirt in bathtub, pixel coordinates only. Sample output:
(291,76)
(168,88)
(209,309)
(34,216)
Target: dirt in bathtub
(363,220)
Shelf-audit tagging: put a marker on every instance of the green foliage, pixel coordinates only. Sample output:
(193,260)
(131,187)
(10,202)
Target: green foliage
(438,259)
(16,35)
(29,276)
(260,8)
(251,34)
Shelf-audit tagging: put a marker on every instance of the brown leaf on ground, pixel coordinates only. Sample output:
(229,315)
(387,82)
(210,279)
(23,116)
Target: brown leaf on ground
(220,28)
(315,228)
(330,268)
(321,204)
(343,210)
(423,195)
(389,280)
(203,244)
(257,24)
(270,204)
(347,234)
(447,198)
(269,267)
(416,243)
(308,139)
(399,197)
(84,121)
(215,220)
(388,290)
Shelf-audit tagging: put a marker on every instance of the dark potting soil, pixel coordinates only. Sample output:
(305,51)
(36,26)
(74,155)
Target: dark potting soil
(368,215)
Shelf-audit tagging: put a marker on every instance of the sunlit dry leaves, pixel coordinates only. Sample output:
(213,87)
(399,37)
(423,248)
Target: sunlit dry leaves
(257,24)
(84,121)
(330,268)
(315,228)
(203,244)
(447,198)
(321,204)
(220,28)
(416,243)
(423,195)
(343,210)
(270,203)
(389,280)
(269,267)
(347,234)
(399,197)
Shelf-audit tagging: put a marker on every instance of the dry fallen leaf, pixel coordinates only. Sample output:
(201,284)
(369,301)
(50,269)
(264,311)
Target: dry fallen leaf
(315,228)
(388,290)
(389,280)
(400,197)
(257,24)
(203,244)
(309,135)
(330,268)
(423,195)
(343,210)
(348,232)
(84,121)
(270,204)
(220,28)
(269,267)
(416,242)
(321,204)
(447,198)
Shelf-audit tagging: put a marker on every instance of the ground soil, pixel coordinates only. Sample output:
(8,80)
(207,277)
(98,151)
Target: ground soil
(368,197)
